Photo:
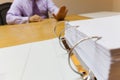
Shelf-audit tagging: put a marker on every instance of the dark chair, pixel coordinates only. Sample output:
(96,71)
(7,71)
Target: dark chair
(1,20)
(3,11)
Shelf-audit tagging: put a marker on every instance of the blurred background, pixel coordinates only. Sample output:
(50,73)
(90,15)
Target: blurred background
(86,6)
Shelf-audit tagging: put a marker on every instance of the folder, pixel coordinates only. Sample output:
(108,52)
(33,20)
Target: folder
(97,43)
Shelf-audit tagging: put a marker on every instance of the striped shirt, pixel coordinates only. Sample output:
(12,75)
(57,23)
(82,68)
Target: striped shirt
(21,10)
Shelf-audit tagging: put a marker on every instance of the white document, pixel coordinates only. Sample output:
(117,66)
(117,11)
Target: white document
(44,60)
(12,61)
(48,61)
(98,55)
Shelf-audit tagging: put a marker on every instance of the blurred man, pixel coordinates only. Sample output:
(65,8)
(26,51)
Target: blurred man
(26,11)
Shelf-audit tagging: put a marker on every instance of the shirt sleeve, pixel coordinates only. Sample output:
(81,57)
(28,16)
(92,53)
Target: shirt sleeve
(52,8)
(14,15)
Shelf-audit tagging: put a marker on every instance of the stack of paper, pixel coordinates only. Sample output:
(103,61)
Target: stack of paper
(102,57)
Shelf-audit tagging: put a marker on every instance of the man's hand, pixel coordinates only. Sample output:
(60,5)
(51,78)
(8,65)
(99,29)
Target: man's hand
(61,13)
(35,18)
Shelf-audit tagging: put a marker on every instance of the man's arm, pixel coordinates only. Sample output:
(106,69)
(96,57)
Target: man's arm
(14,15)
(15,19)
(52,8)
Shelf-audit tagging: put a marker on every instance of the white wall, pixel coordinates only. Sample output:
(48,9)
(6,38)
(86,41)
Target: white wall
(84,6)
(116,5)
(2,1)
